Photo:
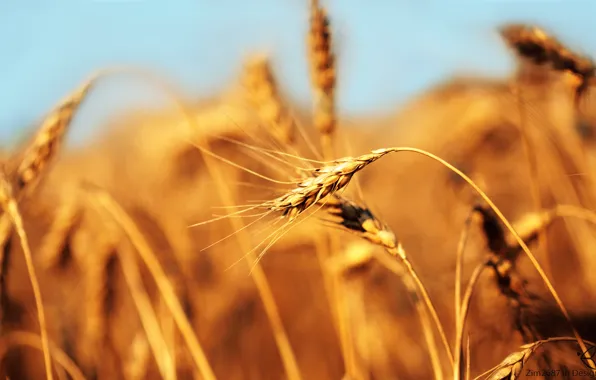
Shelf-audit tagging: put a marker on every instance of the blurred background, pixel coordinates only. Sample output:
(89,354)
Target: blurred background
(387,50)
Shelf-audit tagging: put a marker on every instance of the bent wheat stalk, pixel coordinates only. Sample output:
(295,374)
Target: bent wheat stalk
(362,222)
(337,175)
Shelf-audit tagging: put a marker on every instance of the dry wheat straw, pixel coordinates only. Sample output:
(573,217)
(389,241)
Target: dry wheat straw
(10,208)
(334,177)
(115,211)
(147,315)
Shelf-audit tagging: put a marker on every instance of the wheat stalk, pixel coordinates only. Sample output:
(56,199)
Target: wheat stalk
(361,221)
(147,315)
(336,176)
(287,355)
(10,207)
(115,211)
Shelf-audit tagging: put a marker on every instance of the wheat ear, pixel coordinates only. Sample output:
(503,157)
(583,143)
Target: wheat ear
(332,178)
(510,368)
(362,222)
(47,141)
(323,74)
(499,244)
(536,45)
(263,94)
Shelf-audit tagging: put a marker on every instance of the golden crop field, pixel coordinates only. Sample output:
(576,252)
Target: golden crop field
(241,237)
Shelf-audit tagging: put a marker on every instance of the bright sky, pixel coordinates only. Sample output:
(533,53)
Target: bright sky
(388,50)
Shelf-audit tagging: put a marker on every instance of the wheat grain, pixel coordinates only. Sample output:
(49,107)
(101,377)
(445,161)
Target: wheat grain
(326,180)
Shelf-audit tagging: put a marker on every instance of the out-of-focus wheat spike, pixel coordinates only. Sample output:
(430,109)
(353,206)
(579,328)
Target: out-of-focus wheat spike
(138,360)
(530,225)
(322,71)
(10,207)
(47,141)
(65,221)
(355,256)
(263,94)
(536,45)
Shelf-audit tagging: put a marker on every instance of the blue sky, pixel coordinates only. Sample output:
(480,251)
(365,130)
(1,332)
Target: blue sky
(388,50)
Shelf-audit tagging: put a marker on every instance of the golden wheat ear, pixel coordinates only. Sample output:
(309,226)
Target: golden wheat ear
(537,46)
(323,75)
(263,94)
(47,141)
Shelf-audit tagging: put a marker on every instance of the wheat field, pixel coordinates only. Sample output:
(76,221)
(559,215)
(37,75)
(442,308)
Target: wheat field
(241,237)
